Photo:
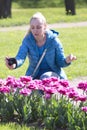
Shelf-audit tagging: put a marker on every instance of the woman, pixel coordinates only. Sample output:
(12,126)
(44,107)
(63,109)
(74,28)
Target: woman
(44,50)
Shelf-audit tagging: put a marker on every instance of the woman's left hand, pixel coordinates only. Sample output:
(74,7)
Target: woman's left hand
(70,58)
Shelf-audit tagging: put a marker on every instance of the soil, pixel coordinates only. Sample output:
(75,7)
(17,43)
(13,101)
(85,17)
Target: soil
(55,25)
(77,80)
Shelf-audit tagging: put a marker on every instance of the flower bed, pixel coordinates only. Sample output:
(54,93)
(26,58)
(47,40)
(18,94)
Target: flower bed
(52,101)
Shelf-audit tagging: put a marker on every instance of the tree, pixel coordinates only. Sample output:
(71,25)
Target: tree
(70,7)
(5,8)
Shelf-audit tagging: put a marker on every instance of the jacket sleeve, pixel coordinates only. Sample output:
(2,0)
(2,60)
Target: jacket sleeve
(22,53)
(59,54)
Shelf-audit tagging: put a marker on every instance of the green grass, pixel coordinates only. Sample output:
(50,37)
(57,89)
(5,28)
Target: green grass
(14,126)
(9,44)
(73,39)
(53,15)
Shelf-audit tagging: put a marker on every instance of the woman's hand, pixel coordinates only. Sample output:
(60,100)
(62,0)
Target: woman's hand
(10,66)
(70,58)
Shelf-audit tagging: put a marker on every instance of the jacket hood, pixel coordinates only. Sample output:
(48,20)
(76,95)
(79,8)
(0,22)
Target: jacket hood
(52,34)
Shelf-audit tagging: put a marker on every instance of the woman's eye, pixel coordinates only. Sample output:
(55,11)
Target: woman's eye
(32,27)
(39,27)
(36,27)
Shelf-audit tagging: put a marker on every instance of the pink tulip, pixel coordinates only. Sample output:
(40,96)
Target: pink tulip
(62,90)
(72,93)
(50,90)
(84,108)
(81,98)
(25,91)
(64,83)
(82,85)
(47,96)
(25,79)
(4,89)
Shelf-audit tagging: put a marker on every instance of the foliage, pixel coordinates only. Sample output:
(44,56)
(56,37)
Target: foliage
(60,106)
(45,3)
(6,107)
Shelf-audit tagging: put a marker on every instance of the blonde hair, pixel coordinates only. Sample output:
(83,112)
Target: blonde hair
(37,15)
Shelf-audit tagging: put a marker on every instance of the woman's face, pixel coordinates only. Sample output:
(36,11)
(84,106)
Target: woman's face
(37,27)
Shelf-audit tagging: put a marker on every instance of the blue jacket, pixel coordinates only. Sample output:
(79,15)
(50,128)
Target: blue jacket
(54,55)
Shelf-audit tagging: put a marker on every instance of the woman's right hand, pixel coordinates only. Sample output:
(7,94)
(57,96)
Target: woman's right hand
(70,58)
(11,67)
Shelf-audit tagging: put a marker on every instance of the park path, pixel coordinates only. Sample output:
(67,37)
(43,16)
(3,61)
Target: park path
(55,25)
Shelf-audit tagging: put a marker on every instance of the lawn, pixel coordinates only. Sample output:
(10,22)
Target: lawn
(53,15)
(14,126)
(73,39)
